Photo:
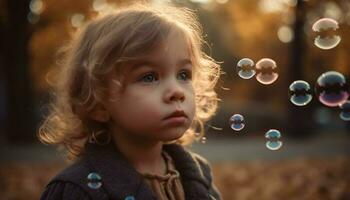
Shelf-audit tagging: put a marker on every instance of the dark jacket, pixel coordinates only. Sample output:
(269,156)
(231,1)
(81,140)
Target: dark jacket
(120,181)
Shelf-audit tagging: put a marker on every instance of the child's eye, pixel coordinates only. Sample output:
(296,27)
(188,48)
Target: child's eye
(148,78)
(185,75)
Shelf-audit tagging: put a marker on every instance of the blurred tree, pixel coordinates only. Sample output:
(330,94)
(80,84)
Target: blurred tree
(20,124)
(234,29)
(298,125)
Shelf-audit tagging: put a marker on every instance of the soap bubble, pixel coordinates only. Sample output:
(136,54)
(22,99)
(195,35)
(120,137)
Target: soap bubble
(345,111)
(327,33)
(245,68)
(237,122)
(273,142)
(266,71)
(331,89)
(94,180)
(300,93)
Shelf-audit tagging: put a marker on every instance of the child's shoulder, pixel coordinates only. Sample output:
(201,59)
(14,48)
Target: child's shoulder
(203,164)
(72,183)
(100,173)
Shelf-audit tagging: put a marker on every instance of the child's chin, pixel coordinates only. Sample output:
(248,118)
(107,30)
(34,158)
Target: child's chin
(172,137)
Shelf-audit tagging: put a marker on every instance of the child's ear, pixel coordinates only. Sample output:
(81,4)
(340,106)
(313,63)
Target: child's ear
(99,113)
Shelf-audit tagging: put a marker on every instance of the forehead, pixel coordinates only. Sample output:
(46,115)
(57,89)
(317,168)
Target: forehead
(172,50)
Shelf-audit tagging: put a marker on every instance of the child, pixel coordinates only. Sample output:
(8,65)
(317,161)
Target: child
(135,88)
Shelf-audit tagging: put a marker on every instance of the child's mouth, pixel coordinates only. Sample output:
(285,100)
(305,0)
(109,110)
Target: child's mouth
(176,114)
(176,118)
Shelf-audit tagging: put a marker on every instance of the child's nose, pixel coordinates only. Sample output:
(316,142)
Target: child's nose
(174,93)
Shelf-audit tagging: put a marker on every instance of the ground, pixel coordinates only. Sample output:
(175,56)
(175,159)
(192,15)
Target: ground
(299,179)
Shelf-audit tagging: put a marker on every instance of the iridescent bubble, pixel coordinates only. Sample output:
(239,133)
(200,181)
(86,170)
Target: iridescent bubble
(273,139)
(94,180)
(331,89)
(237,122)
(266,71)
(327,33)
(245,68)
(345,111)
(300,93)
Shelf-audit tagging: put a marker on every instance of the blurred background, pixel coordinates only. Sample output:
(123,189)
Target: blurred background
(313,161)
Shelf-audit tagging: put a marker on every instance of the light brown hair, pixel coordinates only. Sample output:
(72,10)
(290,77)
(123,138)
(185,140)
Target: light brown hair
(105,45)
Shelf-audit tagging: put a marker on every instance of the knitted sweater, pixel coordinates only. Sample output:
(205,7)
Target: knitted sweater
(103,173)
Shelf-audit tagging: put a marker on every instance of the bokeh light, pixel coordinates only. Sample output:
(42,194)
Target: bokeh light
(77,20)
(36,6)
(285,34)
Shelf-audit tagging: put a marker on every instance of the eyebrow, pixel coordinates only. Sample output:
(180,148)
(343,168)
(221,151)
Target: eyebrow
(141,63)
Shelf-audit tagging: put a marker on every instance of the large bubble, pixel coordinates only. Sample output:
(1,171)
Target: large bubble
(273,139)
(266,71)
(327,36)
(237,122)
(331,89)
(300,93)
(246,68)
(345,111)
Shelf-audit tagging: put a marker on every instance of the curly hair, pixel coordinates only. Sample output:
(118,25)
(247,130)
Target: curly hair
(107,43)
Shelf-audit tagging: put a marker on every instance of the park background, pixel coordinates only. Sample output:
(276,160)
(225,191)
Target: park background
(313,162)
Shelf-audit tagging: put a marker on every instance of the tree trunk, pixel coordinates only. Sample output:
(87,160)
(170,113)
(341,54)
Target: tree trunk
(20,112)
(300,120)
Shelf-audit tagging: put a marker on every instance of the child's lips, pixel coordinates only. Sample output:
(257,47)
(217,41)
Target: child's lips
(176,118)
(176,114)
(175,121)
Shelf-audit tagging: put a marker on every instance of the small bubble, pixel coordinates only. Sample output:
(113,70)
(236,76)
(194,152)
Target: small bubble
(94,180)
(300,93)
(237,122)
(245,68)
(266,71)
(345,111)
(327,33)
(331,89)
(273,136)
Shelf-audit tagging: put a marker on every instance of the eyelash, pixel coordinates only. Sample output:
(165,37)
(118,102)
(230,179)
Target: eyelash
(155,77)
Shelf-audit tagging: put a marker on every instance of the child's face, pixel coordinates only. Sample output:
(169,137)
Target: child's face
(155,89)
